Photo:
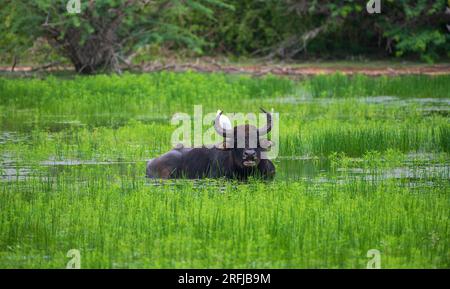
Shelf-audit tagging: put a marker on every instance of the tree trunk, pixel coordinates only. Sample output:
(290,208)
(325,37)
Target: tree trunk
(96,54)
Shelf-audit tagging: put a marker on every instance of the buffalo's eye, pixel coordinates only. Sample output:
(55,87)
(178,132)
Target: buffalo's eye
(249,154)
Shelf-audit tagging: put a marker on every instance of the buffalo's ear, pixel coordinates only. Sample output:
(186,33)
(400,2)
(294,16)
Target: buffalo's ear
(178,146)
(265,143)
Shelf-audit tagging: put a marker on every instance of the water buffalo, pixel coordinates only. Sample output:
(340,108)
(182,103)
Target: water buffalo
(228,160)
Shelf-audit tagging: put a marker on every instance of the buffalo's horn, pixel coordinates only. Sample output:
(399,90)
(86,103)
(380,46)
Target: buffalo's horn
(219,129)
(268,127)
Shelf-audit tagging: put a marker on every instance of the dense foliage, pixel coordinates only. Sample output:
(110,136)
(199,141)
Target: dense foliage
(301,28)
(107,32)
(99,34)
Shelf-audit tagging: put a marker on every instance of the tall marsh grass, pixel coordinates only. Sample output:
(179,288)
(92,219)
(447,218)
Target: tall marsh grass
(127,223)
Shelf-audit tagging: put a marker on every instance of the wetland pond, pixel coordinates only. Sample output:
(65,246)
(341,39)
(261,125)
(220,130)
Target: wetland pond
(363,163)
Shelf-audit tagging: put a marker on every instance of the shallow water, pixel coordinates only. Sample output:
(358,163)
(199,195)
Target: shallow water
(426,104)
(417,169)
(322,171)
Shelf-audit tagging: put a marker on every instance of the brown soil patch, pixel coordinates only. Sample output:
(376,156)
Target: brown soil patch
(263,69)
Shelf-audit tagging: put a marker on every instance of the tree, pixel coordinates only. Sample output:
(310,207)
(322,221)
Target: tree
(401,27)
(416,27)
(104,33)
(293,29)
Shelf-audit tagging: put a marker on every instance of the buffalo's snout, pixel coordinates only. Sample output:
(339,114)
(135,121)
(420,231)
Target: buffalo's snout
(249,158)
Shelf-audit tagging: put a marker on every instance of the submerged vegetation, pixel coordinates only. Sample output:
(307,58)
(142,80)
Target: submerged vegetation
(363,164)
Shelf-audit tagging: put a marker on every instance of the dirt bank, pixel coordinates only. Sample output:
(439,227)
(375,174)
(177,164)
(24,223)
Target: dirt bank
(275,69)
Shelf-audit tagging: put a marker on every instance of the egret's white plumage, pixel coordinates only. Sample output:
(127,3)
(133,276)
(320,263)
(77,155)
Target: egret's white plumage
(224,121)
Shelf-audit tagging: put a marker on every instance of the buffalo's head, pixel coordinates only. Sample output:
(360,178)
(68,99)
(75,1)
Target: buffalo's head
(244,141)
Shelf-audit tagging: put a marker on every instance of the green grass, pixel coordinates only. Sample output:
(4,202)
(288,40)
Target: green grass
(126,223)
(375,175)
